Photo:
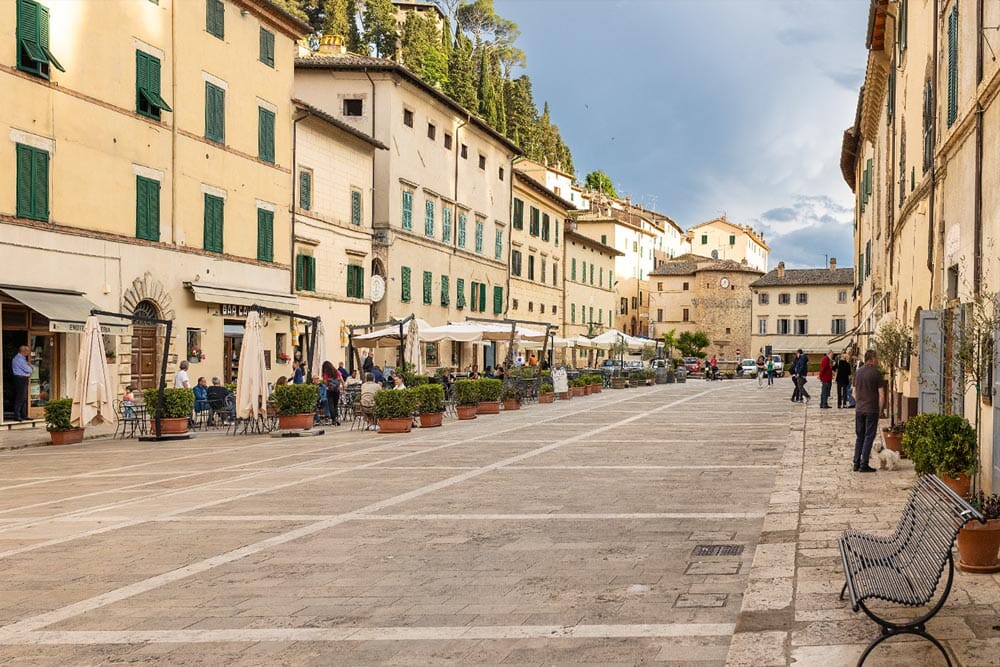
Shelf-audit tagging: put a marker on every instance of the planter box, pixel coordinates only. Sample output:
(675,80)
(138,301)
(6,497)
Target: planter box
(466,411)
(70,437)
(489,408)
(978,545)
(617,383)
(893,441)
(595,389)
(432,419)
(587,390)
(959,485)
(565,395)
(546,398)
(577,391)
(175,425)
(395,425)
(511,404)
(295,422)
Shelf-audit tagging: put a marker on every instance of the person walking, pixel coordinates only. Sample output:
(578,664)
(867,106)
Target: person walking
(367,363)
(760,372)
(800,369)
(843,381)
(770,371)
(869,392)
(22,369)
(826,380)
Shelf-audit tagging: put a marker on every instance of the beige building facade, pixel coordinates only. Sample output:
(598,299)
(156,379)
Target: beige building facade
(693,293)
(722,239)
(800,309)
(167,198)
(589,298)
(441,201)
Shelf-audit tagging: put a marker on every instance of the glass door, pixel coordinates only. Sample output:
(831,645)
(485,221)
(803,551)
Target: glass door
(42,385)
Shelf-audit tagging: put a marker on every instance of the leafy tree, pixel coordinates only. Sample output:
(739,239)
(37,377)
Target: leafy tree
(670,342)
(421,48)
(380,27)
(461,84)
(601,182)
(481,20)
(490,101)
(693,343)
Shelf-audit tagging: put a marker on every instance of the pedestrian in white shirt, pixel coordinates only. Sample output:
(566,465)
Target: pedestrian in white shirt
(181,379)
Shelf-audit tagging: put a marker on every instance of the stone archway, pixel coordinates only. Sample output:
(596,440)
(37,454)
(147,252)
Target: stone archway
(147,296)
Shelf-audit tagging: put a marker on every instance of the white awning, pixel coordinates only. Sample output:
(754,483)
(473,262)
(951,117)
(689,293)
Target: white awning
(66,310)
(242,296)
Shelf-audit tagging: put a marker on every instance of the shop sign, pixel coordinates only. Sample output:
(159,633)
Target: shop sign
(233,310)
(77,327)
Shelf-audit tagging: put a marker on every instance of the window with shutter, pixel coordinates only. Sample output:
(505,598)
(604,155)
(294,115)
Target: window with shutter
(305,190)
(903,21)
(518,221)
(591,273)
(147,86)
(545,226)
(213,223)
(445,291)
(461,230)
(515,262)
(928,129)
(215,23)
(215,113)
(310,273)
(355,281)
(572,313)
(953,65)
(479,237)
(404,284)
(265,134)
(572,269)
(32,183)
(429,218)
(265,235)
(497,300)
(356,208)
(498,251)
(147,209)
(33,54)
(473,293)
(446,224)
(428,287)
(300,261)
(533,221)
(460,293)
(407,209)
(267,47)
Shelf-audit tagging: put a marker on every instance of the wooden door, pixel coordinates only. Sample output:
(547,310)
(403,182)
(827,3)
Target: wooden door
(144,368)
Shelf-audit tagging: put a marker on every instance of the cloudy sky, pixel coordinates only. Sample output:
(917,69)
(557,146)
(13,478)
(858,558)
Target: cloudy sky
(699,107)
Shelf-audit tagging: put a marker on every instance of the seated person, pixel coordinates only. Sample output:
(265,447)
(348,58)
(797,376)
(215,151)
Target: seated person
(321,404)
(128,401)
(216,395)
(201,395)
(353,379)
(367,400)
(377,375)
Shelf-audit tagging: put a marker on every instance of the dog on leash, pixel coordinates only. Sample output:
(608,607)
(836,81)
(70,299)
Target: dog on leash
(887,459)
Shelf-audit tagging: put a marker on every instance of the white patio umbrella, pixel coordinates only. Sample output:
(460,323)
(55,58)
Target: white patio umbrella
(413,351)
(92,389)
(251,381)
(319,354)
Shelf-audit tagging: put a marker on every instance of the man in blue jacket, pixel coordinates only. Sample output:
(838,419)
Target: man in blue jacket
(799,371)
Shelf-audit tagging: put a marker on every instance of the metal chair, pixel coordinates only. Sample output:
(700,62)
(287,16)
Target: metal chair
(128,418)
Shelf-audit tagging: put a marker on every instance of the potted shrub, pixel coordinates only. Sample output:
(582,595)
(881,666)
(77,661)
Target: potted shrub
(578,387)
(596,383)
(430,404)
(489,396)
(178,405)
(978,543)
(585,382)
(57,423)
(511,398)
(942,445)
(618,382)
(394,410)
(295,405)
(466,398)
(546,393)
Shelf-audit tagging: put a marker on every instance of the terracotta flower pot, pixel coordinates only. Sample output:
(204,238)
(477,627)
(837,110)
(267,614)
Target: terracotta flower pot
(172,425)
(577,391)
(565,395)
(587,390)
(978,545)
(466,411)
(489,408)
(595,389)
(617,383)
(431,419)
(395,425)
(294,422)
(546,398)
(959,484)
(70,437)
(511,404)
(893,441)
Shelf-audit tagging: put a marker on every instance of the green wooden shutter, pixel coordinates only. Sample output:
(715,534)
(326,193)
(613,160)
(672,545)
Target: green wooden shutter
(903,21)
(267,47)
(299,269)
(473,296)
(40,184)
(518,214)
(29,55)
(499,244)
(460,293)
(407,210)
(545,226)
(572,313)
(213,223)
(265,235)
(573,268)
(497,300)
(215,113)
(479,236)
(461,230)
(147,209)
(404,279)
(446,224)
(445,290)
(265,134)
(429,218)
(428,287)
(355,281)
(356,208)
(215,18)
(305,190)
(482,297)
(24,181)
(953,65)
(311,263)
(141,83)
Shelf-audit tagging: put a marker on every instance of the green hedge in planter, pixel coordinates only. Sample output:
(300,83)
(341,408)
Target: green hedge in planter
(466,392)
(940,444)
(412,380)
(177,402)
(546,388)
(490,390)
(430,398)
(511,393)
(295,399)
(57,414)
(395,403)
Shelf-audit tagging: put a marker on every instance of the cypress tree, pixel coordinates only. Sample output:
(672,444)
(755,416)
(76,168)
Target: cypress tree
(461,84)
(380,27)
(489,98)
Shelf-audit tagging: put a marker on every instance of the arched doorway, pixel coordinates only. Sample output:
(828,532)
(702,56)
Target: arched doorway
(144,366)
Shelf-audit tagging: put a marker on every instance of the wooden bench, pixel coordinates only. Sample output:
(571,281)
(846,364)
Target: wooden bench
(906,567)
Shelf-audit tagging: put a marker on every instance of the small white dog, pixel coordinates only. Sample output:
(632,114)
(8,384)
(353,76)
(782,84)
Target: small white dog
(887,459)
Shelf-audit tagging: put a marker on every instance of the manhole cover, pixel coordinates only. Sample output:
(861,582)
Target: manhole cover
(718,550)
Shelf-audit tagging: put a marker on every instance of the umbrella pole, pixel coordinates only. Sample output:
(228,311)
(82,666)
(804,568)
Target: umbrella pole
(402,349)
(160,398)
(312,350)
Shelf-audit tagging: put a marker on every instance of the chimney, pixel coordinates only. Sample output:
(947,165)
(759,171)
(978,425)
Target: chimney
(833,263)
(332,45)
(781,269)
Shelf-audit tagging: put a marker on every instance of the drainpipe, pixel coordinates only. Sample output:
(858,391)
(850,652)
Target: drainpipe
(371,310)
(454,235)
(510,229)
(173,128)
(977,256)
(933,129)
(291,233)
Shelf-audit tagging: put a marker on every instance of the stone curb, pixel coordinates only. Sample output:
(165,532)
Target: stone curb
(764,624)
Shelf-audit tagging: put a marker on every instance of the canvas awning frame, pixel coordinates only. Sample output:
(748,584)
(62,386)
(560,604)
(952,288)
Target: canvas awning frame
(66,310)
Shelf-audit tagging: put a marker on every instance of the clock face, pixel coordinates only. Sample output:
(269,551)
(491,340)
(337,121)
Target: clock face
(724,283)
(378,288)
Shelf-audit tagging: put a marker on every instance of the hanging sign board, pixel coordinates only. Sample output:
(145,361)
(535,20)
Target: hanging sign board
(559,383)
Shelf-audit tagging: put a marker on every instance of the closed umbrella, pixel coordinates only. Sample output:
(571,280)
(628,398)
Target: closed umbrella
(319,354)
(92,389)
(251,382)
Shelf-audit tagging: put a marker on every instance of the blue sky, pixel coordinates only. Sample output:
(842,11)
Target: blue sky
(699,107)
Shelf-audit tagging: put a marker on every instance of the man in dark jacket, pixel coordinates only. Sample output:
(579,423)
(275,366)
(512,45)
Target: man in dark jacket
(843,382)
(799,371)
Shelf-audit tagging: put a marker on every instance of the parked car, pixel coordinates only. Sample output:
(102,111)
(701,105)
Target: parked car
(692,364)
(778,365)
(748,367)
(611,364)
(634,365)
